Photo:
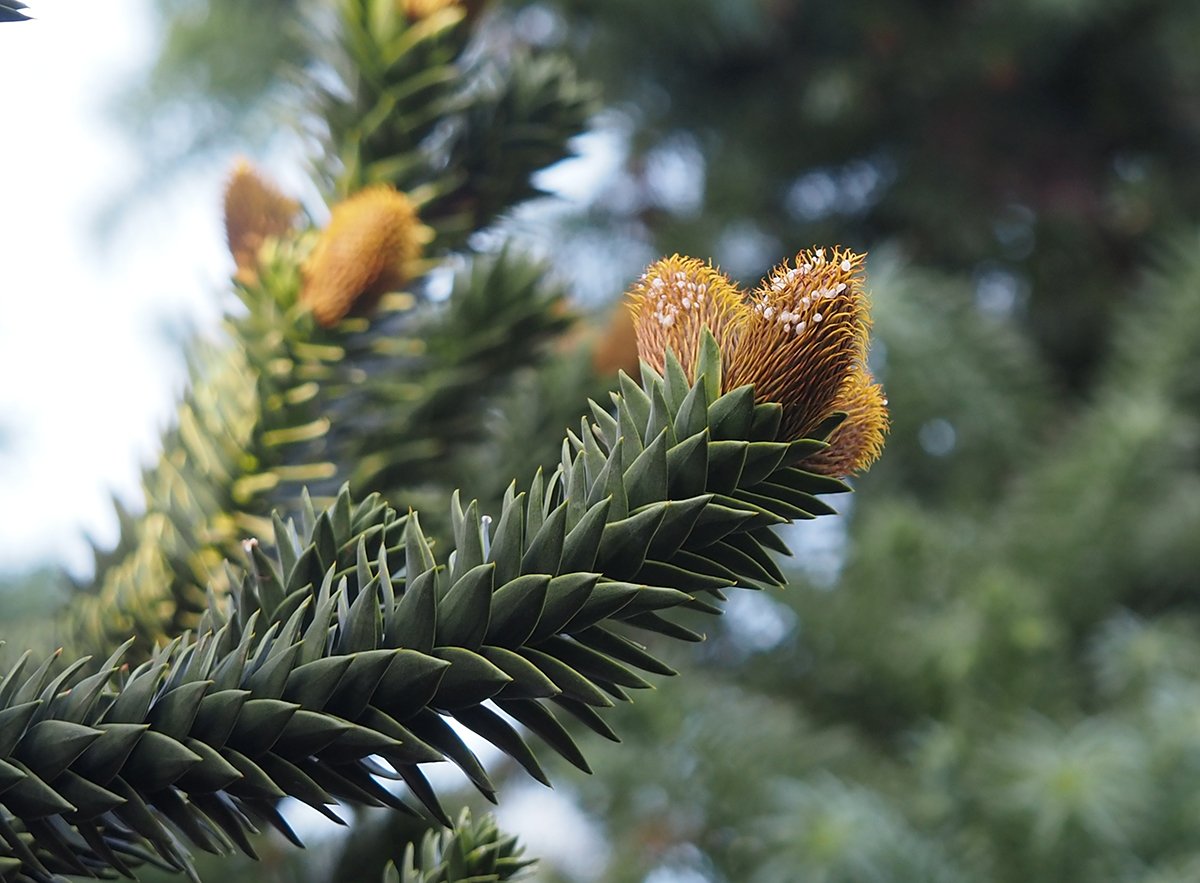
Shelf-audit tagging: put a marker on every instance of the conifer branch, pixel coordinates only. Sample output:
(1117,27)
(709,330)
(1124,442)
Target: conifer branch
(351,641)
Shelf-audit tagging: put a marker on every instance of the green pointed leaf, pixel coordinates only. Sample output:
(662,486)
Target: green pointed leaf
(569,681)
(652,622)
(405,748)
(726,459)
(825,428)
(638,403)
(587,715)
(631,426)
(660,419)
(133,702)
(409,684)
(765,425)
(158,761)
(362,629)
(708,364)
(469,545)
(254,783)
(508,542)
(801,501)
(731,416)
(33,685)
(662,574)
(541,722)
(745,566)
(592,664)
(687,467)
(431,727)
(312,684)
(575,492)
(259,725)
(367,670)
(497,731)
(565,597)
(415,624)
(516,610)
(692,416)
(762,458)
(717,521)
(469,680)
(609,427)
(297,783)
(174,712)
(106,757)
(13,722)
(464,614)
(545,549)
(213,773)
(773,504)
(618,647)
(50,746)
(535,512)
(308,732)
(583,542)
(528,682)
(31,798)
(624,543)
(89,799)
(675,381)
(646,480)
(679,520)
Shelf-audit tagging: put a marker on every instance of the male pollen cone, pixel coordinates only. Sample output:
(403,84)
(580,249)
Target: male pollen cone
(800,340)
(673,301)
(254,211)
(368,248)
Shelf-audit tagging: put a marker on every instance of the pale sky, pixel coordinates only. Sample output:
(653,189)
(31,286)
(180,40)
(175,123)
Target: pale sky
(87,377)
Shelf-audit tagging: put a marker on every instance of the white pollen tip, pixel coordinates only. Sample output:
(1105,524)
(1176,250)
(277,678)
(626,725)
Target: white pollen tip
(846,266)
(817,317)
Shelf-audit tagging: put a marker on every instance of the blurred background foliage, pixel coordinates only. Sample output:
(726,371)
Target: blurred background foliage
(988,668)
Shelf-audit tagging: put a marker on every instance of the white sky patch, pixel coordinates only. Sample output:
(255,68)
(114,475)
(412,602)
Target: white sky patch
(551,826)
(87,379)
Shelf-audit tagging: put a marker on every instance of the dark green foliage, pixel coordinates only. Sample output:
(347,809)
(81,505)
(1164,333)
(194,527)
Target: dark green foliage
(351,641)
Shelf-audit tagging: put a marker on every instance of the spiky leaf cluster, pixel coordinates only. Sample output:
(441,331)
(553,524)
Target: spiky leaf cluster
(474,850)
(417,105)
(330,668)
